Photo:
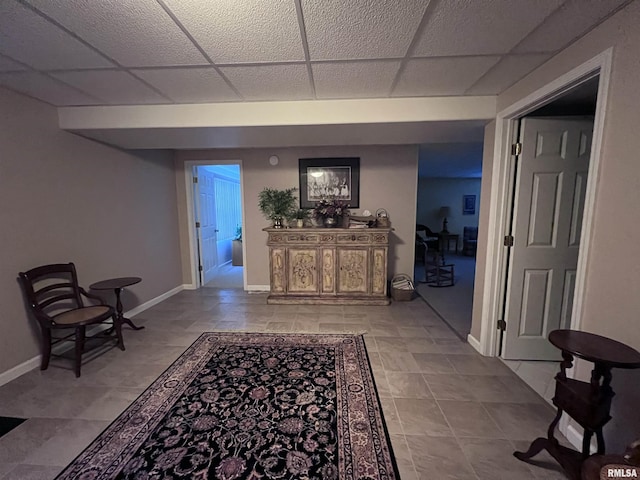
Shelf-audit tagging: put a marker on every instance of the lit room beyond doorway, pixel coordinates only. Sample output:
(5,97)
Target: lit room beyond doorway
(218,214)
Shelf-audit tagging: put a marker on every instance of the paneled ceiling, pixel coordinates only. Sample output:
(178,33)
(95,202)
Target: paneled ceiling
(144,52)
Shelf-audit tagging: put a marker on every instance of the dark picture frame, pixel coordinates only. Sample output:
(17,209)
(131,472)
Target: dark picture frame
(468,204)
(329,178)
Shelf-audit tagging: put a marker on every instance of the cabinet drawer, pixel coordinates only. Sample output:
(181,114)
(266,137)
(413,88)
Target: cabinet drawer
(354,238)
(302,238)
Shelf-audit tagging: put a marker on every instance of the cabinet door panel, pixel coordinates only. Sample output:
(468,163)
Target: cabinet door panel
(353,272)
(277,270)
(328,270)
(303,270)
(379,274)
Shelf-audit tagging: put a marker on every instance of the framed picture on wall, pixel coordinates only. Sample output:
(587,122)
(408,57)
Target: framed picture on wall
(337,178)
(468,204)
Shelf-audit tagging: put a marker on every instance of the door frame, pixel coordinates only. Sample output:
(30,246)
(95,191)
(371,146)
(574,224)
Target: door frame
(193,238)
(499,201)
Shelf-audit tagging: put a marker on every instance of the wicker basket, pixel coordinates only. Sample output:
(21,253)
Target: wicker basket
(382,218)
(402,288)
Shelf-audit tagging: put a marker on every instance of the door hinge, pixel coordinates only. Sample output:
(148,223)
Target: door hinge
(508,240)
(502,325)
(197,224)
(195,179)
(516,149)
(200,268)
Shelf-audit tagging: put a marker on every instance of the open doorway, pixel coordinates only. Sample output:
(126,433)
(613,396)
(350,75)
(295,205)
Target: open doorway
(447,215)
(550,174)
(217,210)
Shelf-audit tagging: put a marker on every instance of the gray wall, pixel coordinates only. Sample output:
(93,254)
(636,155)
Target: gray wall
(388,179)
(65,198)
(611,303)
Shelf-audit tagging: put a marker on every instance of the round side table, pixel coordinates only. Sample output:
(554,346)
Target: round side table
(117,284)
(588,403)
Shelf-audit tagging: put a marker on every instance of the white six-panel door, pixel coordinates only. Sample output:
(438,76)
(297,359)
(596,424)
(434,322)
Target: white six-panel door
(551,180)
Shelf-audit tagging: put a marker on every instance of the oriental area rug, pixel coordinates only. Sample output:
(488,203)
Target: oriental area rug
(251,406)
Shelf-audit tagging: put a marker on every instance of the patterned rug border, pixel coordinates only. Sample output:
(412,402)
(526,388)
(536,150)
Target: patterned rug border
(69,472)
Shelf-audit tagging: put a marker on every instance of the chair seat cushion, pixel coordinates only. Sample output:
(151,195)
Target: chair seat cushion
(83,315)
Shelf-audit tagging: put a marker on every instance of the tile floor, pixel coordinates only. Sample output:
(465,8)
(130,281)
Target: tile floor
(451,413)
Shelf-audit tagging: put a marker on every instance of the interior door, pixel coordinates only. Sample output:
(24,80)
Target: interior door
(208,231)
(551,179)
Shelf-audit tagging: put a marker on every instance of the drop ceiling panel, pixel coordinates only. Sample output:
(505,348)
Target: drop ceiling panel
(132,32)
(112,86)
(441,76)
(27,37)
(271,82)
(572,20)
(189,85)
(8,65)
(472,27)
(243,32)
(507,72)
(45,88)
(352,29)
(354,79)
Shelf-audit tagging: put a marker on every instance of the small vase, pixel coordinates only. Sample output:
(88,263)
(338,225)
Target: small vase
(330,222)
(277,222)
(300,222)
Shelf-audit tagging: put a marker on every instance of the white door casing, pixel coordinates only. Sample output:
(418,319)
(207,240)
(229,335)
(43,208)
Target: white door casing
(547,223)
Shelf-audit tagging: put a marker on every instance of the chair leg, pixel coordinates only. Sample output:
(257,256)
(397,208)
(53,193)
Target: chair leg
(46,348)
(80,335)
(117,325)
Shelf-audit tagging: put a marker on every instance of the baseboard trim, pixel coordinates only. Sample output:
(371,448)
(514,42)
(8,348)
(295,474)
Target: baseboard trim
(258,288)
(24,367)
(473,341)
(154,301)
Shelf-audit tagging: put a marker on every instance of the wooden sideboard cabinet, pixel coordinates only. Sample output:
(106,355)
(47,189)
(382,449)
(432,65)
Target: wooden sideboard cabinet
(328,265)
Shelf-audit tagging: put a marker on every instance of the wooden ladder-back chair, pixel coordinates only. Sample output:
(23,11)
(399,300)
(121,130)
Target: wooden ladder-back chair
(55,299)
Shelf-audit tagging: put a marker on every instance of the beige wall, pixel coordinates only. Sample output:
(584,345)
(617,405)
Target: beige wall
(611,302)
(64,198)
(483,225)
(388,179)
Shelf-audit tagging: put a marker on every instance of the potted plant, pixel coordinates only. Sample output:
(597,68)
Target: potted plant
(301,215)
(330,211)
(277,205)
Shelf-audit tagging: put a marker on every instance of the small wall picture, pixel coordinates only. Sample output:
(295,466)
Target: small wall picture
(468,204)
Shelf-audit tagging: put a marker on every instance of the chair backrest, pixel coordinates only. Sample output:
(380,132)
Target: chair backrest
(470,233)
(426,230)
(51,289)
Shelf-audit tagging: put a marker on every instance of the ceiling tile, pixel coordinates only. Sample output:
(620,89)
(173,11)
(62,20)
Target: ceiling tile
(352,29)
(8,65)
(189,85)
(480,27)
(270,82)
(568,23)
(132,32)
(29,38)
(507,72)
(45,88)
(354,79)
(441,76)
(113,86)
(243,32)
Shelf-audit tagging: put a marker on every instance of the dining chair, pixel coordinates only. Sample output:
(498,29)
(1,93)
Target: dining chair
(56,301)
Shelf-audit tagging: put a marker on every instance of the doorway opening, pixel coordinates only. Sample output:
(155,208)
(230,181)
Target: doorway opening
(448,175)
(217,213)
(549,178)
